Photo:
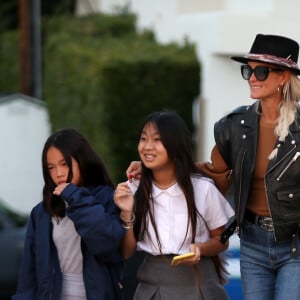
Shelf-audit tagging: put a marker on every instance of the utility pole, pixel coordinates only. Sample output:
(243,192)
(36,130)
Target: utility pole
(30,47)
(36,49)
(25,47)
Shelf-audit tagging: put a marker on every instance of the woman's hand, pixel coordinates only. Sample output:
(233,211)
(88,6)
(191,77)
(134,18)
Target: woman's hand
(134,170)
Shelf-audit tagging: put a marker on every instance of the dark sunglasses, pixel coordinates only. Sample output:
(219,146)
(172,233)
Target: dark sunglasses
(261,72)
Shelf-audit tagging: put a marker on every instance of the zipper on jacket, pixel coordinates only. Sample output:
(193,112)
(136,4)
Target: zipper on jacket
(238,229)
(276,164)
(288,165)
(278,178)
(269,208)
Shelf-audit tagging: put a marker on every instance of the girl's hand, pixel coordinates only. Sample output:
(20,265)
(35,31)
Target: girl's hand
(211,247)
(134,170)
(58,190)
(195,259)
(123,198)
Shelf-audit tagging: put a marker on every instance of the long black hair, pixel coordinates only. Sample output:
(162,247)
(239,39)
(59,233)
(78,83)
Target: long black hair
(72,144)
(176,139)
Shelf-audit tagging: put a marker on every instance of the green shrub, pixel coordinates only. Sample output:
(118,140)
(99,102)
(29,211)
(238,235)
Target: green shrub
(135,84)
(9,62)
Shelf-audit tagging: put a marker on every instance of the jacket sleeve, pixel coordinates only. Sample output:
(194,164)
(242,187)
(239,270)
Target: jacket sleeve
(26,289)
(218,170)
(96,219)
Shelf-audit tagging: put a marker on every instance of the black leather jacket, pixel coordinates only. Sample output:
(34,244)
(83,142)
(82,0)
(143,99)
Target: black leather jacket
(236,138)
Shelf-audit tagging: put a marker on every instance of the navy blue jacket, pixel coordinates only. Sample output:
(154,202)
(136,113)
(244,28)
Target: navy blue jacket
(96,220)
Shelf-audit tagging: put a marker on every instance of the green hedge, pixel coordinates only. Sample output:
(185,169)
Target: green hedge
(9,62)
(103,78)
(136,87)
(94,26)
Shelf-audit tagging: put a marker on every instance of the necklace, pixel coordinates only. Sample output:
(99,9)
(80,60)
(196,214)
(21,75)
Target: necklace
(164,187)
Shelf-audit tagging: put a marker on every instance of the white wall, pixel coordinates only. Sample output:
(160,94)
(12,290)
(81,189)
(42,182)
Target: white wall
(23,132)
(219,29)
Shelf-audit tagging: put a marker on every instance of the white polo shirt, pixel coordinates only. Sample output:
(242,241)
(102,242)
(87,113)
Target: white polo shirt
(170,213)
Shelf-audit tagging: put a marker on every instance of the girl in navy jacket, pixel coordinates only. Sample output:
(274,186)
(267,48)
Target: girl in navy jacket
(71,248)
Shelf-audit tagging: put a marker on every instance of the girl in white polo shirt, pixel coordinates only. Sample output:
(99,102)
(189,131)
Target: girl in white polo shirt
(172,210)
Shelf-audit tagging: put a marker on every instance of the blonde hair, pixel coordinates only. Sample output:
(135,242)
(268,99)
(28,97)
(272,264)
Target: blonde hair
(287,110)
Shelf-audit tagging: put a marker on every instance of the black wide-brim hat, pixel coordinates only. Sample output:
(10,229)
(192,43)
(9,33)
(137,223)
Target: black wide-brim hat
(273,49)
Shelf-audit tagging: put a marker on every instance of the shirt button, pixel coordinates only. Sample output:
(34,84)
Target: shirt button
(243,136)
(291,196)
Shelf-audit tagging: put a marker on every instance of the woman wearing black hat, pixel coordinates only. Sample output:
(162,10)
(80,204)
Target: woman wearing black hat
(257,150)
(257,153)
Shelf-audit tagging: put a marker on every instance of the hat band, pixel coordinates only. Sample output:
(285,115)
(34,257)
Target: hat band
(286,62)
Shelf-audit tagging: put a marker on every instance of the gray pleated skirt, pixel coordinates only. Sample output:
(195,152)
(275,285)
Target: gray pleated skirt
(160,281)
